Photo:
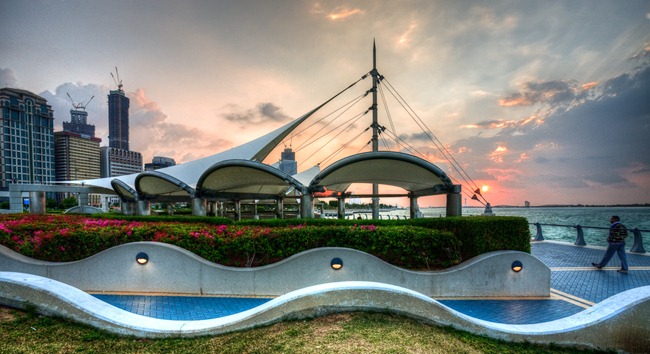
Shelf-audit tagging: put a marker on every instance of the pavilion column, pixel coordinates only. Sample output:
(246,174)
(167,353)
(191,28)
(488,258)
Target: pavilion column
(340,208)
(279,208)
(105,202)
(238,210)
(455,202)
(198,206)
(214,207)
(37,202)
(413,202)
(15,198)
(143,208)
(83,201)
(307,206)
(127,207)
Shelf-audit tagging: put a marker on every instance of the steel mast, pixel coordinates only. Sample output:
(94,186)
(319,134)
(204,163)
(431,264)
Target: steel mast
(375,127)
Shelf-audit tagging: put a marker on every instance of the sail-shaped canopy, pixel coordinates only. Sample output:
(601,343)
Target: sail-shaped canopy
(384,167)
(245,179)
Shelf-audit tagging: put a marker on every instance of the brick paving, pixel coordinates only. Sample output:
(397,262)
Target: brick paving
(571,273)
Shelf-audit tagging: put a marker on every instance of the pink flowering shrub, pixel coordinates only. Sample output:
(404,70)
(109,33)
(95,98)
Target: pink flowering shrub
(73,237)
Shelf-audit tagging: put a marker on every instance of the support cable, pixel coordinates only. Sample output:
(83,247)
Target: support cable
(344,146)
(462,173)
(338,94)
(349,105)
(353,119)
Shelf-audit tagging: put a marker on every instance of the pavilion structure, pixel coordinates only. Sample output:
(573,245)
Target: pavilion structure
(239,176)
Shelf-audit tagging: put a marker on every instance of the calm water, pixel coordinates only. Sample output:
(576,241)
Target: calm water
(596,217)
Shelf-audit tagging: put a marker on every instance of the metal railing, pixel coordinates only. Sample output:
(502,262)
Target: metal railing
(637,246)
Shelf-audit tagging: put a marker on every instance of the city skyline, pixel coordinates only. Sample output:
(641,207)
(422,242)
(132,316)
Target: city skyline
(538,102)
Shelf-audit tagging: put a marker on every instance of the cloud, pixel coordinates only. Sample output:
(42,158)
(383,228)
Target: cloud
(8,78)
(599,141)
(262,113)
(150,131)
(93,96)
(340,12)
(548,92)
(153,135)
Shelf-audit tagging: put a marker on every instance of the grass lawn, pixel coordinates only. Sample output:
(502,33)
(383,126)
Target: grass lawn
(27,332)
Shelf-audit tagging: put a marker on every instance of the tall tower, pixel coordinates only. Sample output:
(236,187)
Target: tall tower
(118,116)
(288,162)
(116,159)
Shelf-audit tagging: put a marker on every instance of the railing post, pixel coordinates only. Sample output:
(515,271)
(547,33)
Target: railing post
(637,247)
(580,241)
(539,236)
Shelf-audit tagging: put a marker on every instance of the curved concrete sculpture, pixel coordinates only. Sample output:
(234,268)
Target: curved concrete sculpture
(171,269)
(619,322)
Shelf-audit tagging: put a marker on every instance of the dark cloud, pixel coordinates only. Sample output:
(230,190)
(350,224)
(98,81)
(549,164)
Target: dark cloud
(8,78)
(262,113)
(548,92)
(598,141)
(421,137)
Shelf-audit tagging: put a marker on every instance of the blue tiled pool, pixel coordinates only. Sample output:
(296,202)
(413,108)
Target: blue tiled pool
(514,311)
(184,308)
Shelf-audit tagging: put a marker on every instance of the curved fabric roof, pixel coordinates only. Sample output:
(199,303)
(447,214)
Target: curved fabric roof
(124,190)
(190,172)
(245,179)
(153,184)
(384,167)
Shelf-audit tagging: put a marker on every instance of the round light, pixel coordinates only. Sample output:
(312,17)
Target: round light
(517,266)
(337,263)
(142,258)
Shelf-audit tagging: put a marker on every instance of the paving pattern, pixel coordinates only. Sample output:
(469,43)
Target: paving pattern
(181,307)
(575,285)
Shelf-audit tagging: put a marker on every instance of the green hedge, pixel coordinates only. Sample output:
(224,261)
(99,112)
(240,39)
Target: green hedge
(477,234)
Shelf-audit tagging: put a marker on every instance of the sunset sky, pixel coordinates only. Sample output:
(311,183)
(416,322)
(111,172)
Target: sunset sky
(540,101)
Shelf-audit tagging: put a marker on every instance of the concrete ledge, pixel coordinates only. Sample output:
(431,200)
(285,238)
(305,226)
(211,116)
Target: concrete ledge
(619,322)
(174,270)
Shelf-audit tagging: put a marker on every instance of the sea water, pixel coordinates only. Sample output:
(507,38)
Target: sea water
(631,217)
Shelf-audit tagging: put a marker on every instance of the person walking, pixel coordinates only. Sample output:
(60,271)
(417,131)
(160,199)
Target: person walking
(616,244)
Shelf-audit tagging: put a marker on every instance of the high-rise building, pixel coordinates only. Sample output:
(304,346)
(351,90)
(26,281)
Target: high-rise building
(118,119)
(117,162)
(159,162)
(116,159)
(26,138)
(288,162)
(76,156)
(79,124)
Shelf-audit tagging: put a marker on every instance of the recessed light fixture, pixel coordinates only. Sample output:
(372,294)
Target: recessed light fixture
(142,258)
(337,263)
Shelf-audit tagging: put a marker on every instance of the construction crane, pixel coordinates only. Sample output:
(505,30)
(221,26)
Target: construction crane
(117,80)
(78,106)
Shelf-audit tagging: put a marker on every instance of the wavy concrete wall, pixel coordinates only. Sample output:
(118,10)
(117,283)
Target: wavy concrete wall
(174,270)
(619,322)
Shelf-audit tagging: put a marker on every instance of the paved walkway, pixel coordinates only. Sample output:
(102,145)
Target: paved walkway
(575,285)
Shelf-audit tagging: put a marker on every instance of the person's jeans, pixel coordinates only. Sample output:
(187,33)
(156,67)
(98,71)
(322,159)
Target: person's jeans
(615,247)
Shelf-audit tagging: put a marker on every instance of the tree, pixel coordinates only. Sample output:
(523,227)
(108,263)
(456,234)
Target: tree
(50,203)
(68,203)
